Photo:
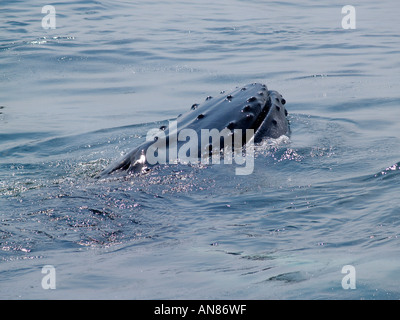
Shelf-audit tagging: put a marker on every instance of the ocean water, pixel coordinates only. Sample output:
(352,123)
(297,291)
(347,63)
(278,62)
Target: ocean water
(75,98)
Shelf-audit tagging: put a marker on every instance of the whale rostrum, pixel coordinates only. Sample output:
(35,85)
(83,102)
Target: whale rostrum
(249,113)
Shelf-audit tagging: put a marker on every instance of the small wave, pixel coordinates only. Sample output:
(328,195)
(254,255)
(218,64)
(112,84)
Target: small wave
(47,144)
(35,42)
(389,171)
(332,75)
(1,113)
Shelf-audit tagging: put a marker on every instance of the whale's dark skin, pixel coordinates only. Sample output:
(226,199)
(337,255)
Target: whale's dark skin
(250,107)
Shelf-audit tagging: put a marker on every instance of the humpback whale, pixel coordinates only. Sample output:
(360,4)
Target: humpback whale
(249,109)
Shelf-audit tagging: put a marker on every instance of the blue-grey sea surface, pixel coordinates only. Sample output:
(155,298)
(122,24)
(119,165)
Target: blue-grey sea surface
(76,97)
